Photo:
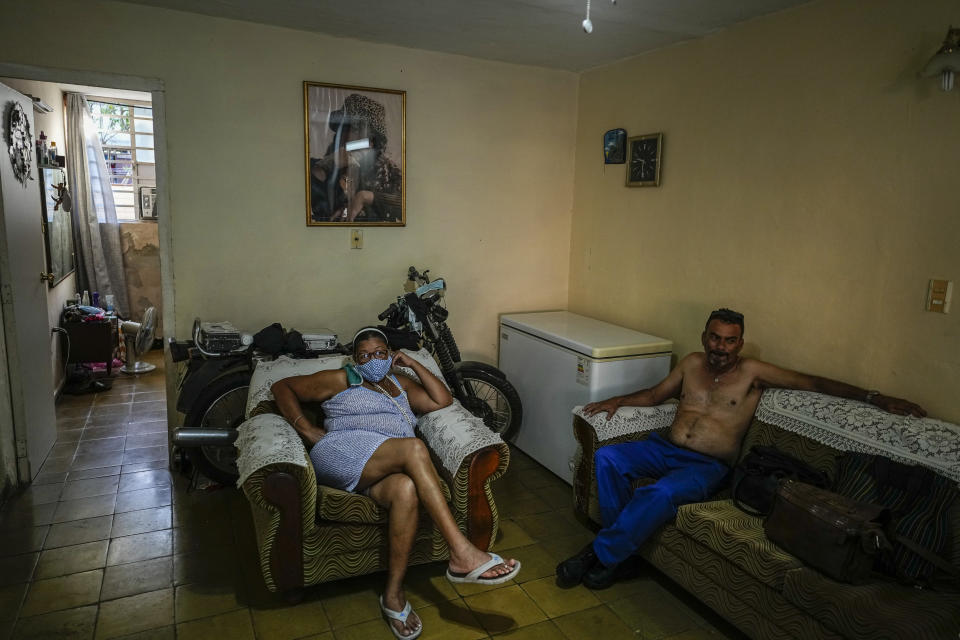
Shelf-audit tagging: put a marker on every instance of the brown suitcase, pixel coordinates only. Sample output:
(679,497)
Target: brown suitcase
(837,536)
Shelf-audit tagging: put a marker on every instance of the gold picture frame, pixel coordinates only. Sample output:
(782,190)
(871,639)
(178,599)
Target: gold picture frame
(643,160)
(355,148)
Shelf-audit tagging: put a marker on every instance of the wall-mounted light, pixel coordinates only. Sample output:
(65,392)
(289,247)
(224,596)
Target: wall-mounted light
(946,62)
(40,106)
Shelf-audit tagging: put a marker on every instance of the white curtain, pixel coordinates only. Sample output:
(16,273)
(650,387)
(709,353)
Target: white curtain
(97,233)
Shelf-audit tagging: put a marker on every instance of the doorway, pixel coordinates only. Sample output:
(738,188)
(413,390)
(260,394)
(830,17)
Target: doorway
(94,400)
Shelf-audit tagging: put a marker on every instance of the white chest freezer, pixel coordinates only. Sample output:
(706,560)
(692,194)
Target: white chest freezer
(558,360)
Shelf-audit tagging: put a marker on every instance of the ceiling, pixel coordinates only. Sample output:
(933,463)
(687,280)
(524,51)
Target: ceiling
(545,33)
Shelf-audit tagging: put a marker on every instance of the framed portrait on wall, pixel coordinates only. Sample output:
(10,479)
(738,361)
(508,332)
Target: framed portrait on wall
(355,155)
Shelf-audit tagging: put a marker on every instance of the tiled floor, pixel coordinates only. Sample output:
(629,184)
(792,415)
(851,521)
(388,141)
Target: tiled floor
(107,543)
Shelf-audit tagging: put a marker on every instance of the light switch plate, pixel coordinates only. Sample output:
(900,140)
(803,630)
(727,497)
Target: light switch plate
(356,239)
(939,295)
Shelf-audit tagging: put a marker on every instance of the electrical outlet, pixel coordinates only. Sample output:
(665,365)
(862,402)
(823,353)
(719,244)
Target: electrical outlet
(356,239)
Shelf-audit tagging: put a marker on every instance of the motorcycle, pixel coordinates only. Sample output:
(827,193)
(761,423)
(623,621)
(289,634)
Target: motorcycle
(213,388)
(212,396)
(481,388)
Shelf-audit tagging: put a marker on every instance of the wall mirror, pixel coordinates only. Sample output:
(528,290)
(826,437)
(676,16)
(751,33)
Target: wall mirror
(57,228)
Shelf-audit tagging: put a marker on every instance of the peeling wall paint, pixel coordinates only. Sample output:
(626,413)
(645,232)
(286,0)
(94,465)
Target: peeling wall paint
(141,264)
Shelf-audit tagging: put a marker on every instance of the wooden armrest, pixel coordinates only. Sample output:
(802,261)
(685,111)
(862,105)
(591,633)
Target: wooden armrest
(480,525)
(282,490)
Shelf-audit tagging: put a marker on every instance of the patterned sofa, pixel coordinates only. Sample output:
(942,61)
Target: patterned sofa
(308,533)
(720,554)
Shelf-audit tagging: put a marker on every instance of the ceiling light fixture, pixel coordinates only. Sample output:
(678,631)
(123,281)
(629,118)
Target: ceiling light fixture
(946,62)
(587,24)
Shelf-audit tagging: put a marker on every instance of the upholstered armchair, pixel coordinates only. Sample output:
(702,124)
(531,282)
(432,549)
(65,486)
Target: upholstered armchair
(309,533)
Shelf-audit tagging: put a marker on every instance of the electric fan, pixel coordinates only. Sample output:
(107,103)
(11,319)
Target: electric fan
(138,336)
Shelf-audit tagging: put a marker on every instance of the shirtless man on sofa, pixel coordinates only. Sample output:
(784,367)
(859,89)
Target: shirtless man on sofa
(718,392)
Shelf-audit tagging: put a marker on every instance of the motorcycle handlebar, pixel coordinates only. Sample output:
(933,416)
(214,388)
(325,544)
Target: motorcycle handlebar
(416,276)
(389,311)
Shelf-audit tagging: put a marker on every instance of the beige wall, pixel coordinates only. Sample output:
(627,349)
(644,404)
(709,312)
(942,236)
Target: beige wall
(52,125)
(489,169)
(809,180)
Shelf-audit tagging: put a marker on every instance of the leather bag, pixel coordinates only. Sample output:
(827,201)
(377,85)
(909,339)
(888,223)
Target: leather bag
(757,476)
(839,537)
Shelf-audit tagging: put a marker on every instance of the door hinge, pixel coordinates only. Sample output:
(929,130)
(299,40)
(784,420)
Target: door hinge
(6,294)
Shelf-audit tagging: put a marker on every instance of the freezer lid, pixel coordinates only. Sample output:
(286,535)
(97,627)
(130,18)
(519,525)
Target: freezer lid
(587,336)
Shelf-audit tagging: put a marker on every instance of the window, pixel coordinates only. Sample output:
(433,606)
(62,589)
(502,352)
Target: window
(126,134)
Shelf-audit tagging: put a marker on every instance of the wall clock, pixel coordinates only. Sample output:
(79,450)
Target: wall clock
(643,165)
(19,142)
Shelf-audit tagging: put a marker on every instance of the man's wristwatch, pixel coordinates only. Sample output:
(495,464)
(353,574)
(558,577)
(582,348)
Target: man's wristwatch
(873,393)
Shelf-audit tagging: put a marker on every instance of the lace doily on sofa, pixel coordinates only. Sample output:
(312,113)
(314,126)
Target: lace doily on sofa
(629,420)
(269,372)
(849,425)
(267,439)
(454,433)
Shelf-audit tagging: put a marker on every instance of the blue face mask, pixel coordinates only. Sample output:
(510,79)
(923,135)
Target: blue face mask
(375,369)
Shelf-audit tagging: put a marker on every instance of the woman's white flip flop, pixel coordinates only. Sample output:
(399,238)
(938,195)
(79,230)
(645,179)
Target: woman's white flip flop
(390,614)
(474,577)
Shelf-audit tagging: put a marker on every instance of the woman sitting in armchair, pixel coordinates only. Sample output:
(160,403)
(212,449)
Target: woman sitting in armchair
(367,444)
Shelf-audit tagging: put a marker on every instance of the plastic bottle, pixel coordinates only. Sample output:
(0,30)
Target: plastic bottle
(53,153)
(96,298)
(85,300)
(42,152)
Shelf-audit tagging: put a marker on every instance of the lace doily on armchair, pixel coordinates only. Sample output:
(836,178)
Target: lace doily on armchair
(454,433)
(849,425)
(267,439)
(629,420)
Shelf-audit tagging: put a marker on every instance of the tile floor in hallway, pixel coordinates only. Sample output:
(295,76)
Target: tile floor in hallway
(107,543)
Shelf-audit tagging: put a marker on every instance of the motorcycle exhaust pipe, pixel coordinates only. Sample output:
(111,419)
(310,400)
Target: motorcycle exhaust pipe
(201,437)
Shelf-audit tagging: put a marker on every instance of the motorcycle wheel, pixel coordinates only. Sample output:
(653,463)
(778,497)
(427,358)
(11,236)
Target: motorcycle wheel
(493,399)
(220,406)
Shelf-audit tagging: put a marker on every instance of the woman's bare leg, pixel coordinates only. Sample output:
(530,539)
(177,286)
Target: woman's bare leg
(411,457)
(398,494)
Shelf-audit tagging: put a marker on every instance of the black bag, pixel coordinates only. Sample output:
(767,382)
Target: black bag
(918,500)
(269,339)
(756,477)
(839,537)
(294,345)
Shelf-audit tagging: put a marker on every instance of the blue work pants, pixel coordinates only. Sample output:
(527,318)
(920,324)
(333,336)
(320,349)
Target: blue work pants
(630,516)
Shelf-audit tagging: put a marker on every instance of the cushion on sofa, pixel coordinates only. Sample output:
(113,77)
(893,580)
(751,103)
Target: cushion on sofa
(876,610)
(739,537)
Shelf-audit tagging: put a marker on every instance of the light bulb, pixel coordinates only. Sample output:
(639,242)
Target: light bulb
(946,78)
(587,25)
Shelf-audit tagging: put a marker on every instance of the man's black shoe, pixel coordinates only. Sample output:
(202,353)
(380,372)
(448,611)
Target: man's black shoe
(601,576)
(571,571)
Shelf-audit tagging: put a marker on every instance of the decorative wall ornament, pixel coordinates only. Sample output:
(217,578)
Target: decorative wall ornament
(615,146)
(19,142)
